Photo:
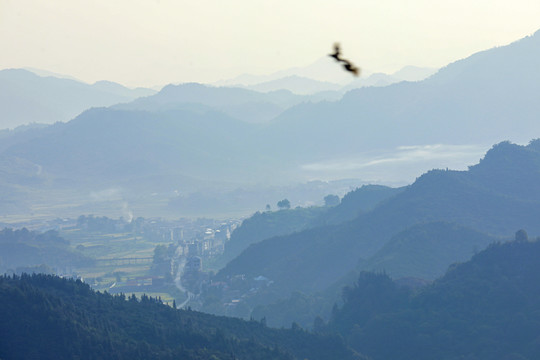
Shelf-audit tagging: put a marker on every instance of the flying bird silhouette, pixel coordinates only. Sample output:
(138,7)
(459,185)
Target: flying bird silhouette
(347,65)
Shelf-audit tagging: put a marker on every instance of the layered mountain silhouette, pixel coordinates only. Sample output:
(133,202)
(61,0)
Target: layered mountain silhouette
(486,98)
(248,105)
(28,98)
(297,85)
(324,70)
(187,136)
(498,196)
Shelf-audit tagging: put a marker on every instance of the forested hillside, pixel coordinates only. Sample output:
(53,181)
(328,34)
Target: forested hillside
(485,308)
(68,320)
(425,251)
(461,197)
(261,226)
(356,202)
(268,224)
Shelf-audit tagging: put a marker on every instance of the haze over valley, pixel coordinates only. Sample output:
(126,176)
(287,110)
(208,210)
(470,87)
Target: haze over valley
(158,150)
(270,210)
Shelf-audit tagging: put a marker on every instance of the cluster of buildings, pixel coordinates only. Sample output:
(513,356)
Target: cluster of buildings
(208,243)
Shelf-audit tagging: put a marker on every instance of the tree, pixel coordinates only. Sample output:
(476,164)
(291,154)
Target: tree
(331,200)
(295,326)
(521,236)
(284,204)
(161,262)
(318,324)
(268,208)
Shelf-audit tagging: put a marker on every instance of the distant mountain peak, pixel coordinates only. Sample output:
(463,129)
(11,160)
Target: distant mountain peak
(296,84)
(46,73)
(27,97)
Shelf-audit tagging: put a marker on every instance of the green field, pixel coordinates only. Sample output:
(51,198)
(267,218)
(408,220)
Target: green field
(109,270)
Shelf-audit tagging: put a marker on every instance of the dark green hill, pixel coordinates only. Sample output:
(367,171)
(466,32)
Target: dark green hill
(268,224)
(356,202)
(51,318)
(265,225)
(425,251)
(486,308)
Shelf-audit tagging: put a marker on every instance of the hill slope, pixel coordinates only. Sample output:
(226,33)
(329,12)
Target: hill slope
(243,104)
(261,226)
(23,250)
(68,320)
(107,145)
(264,225)
(425,251)
(28,98)
(295,262)
(485,308)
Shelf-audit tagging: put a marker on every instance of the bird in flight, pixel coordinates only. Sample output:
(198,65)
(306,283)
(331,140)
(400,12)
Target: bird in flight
(347,65)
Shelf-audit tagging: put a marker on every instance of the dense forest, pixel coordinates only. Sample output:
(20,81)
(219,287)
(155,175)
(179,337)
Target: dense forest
(425,251)
(486,308)
(47,317)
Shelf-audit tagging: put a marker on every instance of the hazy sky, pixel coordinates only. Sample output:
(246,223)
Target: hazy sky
(153,42)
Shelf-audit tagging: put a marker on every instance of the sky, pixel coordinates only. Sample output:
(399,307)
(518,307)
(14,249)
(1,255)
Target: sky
(156,42)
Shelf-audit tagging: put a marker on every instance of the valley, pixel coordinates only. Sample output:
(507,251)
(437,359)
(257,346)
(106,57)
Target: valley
(281,216)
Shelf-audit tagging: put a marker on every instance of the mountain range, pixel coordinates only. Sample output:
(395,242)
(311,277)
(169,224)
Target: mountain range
(324,75)
(38,96)
(442,218)
(242,104)
(486,98)
(194,146)
(189,137)
(29,98)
